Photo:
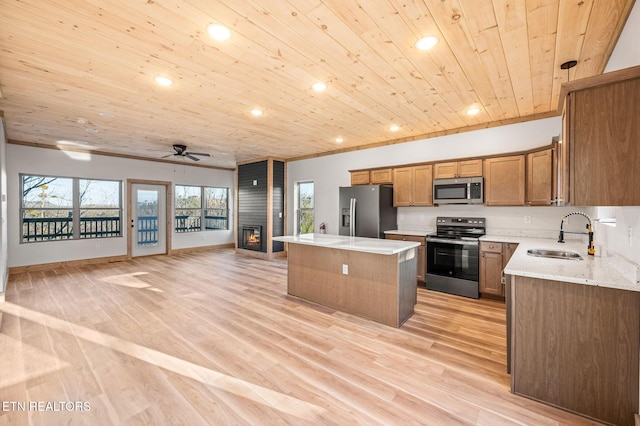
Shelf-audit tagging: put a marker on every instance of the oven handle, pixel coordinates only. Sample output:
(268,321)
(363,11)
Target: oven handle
(457,242)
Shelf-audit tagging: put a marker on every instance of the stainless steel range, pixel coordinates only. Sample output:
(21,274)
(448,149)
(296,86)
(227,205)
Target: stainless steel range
(453,256)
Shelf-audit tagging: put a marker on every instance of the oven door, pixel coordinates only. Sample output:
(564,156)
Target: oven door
(453,258)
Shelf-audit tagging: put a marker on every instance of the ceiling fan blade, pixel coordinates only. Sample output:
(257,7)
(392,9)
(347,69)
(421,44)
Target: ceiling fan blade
(188,155)
(204,154)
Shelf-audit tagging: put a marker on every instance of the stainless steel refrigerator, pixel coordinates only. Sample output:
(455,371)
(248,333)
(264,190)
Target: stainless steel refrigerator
(366,211)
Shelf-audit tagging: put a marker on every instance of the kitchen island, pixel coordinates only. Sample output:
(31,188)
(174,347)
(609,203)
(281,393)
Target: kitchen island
(368,277)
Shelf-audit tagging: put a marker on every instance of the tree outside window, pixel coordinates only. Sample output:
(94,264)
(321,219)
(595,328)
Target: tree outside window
(305,201)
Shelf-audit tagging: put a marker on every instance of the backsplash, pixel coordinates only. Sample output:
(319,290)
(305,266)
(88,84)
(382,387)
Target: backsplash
(619,241)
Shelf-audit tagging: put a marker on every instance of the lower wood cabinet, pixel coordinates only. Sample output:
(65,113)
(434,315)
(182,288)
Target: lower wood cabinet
(422,251)
(576,347)
(493,258)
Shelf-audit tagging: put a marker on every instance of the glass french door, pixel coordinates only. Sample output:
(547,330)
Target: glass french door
(148,219)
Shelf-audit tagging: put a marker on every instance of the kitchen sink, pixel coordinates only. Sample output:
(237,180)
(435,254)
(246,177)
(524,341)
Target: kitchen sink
(554,254)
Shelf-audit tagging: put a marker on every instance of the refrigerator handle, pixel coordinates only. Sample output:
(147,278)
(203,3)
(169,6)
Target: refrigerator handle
(352,222)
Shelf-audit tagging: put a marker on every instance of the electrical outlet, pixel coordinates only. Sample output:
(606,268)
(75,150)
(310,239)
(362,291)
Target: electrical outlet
(345,269)
(527,219)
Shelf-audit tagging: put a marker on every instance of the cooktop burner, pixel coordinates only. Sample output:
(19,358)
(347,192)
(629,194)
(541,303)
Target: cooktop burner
(459,227)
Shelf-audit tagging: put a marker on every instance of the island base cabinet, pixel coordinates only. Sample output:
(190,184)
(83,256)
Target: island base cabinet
(576,347)
(375,286)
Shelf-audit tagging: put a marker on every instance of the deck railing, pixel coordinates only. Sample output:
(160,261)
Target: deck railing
(45,229)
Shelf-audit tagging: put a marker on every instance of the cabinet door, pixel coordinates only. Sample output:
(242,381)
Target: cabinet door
(604,135)
(504,181)
(381,176)
(403,186)
(491,273)
(360,177)
(422,260)
(422,263)
(445,170)
(423,185)
(539,177)
(470,168)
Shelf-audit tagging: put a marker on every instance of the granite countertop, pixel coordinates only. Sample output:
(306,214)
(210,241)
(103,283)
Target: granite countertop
(367,245)
(604,271)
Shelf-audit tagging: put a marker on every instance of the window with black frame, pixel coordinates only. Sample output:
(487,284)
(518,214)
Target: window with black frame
(201,208)
(57,208)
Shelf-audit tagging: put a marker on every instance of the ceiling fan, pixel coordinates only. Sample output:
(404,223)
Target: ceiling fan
(181,151)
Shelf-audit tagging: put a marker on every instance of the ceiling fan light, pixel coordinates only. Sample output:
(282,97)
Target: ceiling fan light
(426,43)
(218,32)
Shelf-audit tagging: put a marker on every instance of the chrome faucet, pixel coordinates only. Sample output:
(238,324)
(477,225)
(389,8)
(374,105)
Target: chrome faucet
(591,248)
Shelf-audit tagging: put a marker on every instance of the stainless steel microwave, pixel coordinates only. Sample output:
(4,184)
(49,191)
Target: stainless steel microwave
(458,191)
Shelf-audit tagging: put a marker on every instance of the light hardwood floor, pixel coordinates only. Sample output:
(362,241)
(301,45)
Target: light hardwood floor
(212,338)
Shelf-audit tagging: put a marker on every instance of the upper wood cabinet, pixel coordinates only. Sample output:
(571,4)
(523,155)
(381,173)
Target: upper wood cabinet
(454,169)
(602,129)
(360,177)
(504,181)
(381,176)
(413,186)
(540,177)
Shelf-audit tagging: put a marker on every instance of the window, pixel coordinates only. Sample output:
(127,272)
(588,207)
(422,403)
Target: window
(201,208)
(58,208)
(304,201)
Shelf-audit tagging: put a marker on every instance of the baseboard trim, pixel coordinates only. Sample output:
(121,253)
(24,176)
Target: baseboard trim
(56,265)
(201,248)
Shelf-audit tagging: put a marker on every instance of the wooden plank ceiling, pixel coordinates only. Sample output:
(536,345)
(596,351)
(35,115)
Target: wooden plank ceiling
(82,72)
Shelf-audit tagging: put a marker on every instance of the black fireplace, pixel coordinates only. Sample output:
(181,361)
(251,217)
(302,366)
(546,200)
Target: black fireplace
(251,237)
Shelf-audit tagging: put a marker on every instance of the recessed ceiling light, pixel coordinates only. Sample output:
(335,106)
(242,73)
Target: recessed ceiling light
(163,81)
(257,112)
(82,120)
(394,128)
(426,43)
(106,115)
(219,32)
(339,140)
(319,86)
(89,130)
(473,110)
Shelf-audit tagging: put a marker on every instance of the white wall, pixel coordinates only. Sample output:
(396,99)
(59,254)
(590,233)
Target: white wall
(3,210)
(331,172)
(40,161)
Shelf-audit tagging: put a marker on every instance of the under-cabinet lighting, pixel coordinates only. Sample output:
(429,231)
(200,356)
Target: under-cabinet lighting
(394,128)
(256,112)
(339,140)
